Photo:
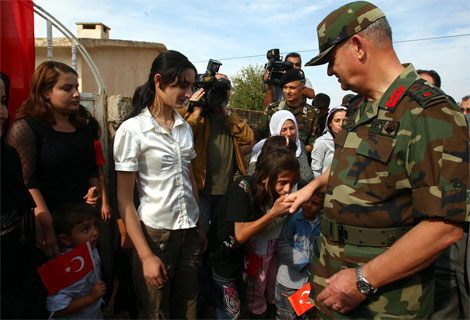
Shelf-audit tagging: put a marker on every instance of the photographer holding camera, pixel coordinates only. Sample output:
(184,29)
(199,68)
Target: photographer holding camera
(274,71)
(219,137)
(292,83)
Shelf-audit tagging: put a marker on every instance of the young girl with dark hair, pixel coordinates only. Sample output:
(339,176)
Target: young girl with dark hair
(251,204)
(153,149)
(55,147)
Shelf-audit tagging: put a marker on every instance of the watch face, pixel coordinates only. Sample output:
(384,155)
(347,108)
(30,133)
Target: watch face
(364,287)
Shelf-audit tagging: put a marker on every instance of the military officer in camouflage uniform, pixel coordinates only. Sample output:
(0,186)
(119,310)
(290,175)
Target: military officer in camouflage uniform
(293,82)
(397,190)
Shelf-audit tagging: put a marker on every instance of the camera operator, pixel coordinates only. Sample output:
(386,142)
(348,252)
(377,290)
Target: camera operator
(274,92)
(219,137)
(293,85)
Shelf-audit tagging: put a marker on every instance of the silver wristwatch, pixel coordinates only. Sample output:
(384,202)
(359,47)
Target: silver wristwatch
(363,285)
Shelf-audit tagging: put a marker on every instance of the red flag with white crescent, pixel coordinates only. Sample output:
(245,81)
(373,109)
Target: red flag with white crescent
(67,269)
(299,300)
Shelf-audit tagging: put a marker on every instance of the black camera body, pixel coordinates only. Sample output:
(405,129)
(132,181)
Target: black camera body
(216,94)
(276,67)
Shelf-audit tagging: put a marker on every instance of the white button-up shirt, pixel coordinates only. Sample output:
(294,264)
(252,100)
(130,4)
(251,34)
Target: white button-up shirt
(161,161)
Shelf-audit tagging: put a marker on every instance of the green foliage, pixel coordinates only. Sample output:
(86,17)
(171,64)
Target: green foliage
(247,89)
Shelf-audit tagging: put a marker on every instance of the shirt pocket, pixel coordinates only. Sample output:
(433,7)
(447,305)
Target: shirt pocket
(376,147)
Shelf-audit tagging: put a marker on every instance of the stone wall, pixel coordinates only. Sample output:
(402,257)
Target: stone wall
(119,108)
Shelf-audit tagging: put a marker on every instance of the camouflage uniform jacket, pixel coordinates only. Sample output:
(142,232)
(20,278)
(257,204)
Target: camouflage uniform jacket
(305,114)
(397,160)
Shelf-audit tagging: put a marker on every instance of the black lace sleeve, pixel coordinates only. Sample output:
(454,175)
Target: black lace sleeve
(21,136)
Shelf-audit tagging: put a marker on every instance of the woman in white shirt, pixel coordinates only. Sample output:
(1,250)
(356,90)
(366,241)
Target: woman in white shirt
(153,150)
(324,146)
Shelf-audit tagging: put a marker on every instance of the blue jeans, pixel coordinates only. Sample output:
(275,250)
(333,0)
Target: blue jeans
(284,308)
(227,301)
(208,205)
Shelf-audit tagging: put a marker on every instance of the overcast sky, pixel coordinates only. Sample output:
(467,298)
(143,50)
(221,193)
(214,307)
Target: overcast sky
(238,33)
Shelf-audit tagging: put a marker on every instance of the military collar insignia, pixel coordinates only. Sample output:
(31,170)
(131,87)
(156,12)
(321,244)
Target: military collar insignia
(356,103)
(392,97)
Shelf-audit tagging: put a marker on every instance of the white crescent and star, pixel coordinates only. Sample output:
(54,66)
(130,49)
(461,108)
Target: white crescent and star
(301,301)
(82,261)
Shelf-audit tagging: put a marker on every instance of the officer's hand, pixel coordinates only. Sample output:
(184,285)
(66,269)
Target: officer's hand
(342,294)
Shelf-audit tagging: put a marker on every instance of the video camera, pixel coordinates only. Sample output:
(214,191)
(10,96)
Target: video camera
(215,89)
(276,67)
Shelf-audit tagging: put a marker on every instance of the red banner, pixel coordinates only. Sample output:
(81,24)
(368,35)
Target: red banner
(299,300)
(17,54)
(67,269)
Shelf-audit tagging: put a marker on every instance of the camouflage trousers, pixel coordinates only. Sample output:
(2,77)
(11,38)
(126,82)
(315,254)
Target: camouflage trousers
(409,298)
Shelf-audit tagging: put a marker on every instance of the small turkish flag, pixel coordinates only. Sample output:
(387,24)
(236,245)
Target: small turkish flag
(67,268)
(251,264)
(299,300)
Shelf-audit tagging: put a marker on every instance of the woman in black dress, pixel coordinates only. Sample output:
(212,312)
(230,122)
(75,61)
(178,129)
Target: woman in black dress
(55,147)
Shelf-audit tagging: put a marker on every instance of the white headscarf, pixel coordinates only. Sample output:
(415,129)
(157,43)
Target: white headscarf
(329,117)
(275,126)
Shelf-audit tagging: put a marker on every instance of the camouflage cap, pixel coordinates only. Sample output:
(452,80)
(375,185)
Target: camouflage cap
(341,24)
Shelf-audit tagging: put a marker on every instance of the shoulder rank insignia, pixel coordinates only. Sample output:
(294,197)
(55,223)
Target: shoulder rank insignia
(424,93)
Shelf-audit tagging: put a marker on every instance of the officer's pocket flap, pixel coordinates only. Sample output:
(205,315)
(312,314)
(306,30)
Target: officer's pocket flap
(376,147)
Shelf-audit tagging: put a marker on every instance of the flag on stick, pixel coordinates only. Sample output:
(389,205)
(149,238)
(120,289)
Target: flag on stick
(299,300)
(251,264)
(67,268)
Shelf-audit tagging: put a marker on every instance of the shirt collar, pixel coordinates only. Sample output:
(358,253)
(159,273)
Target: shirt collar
(397,89)
(390,99)
(149,122)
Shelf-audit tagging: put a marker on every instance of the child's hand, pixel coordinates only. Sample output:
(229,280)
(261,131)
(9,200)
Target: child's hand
(98,290)
(280,208)
(106,212)
(93,196)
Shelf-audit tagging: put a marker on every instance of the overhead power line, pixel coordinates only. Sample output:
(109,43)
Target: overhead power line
(313,50)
